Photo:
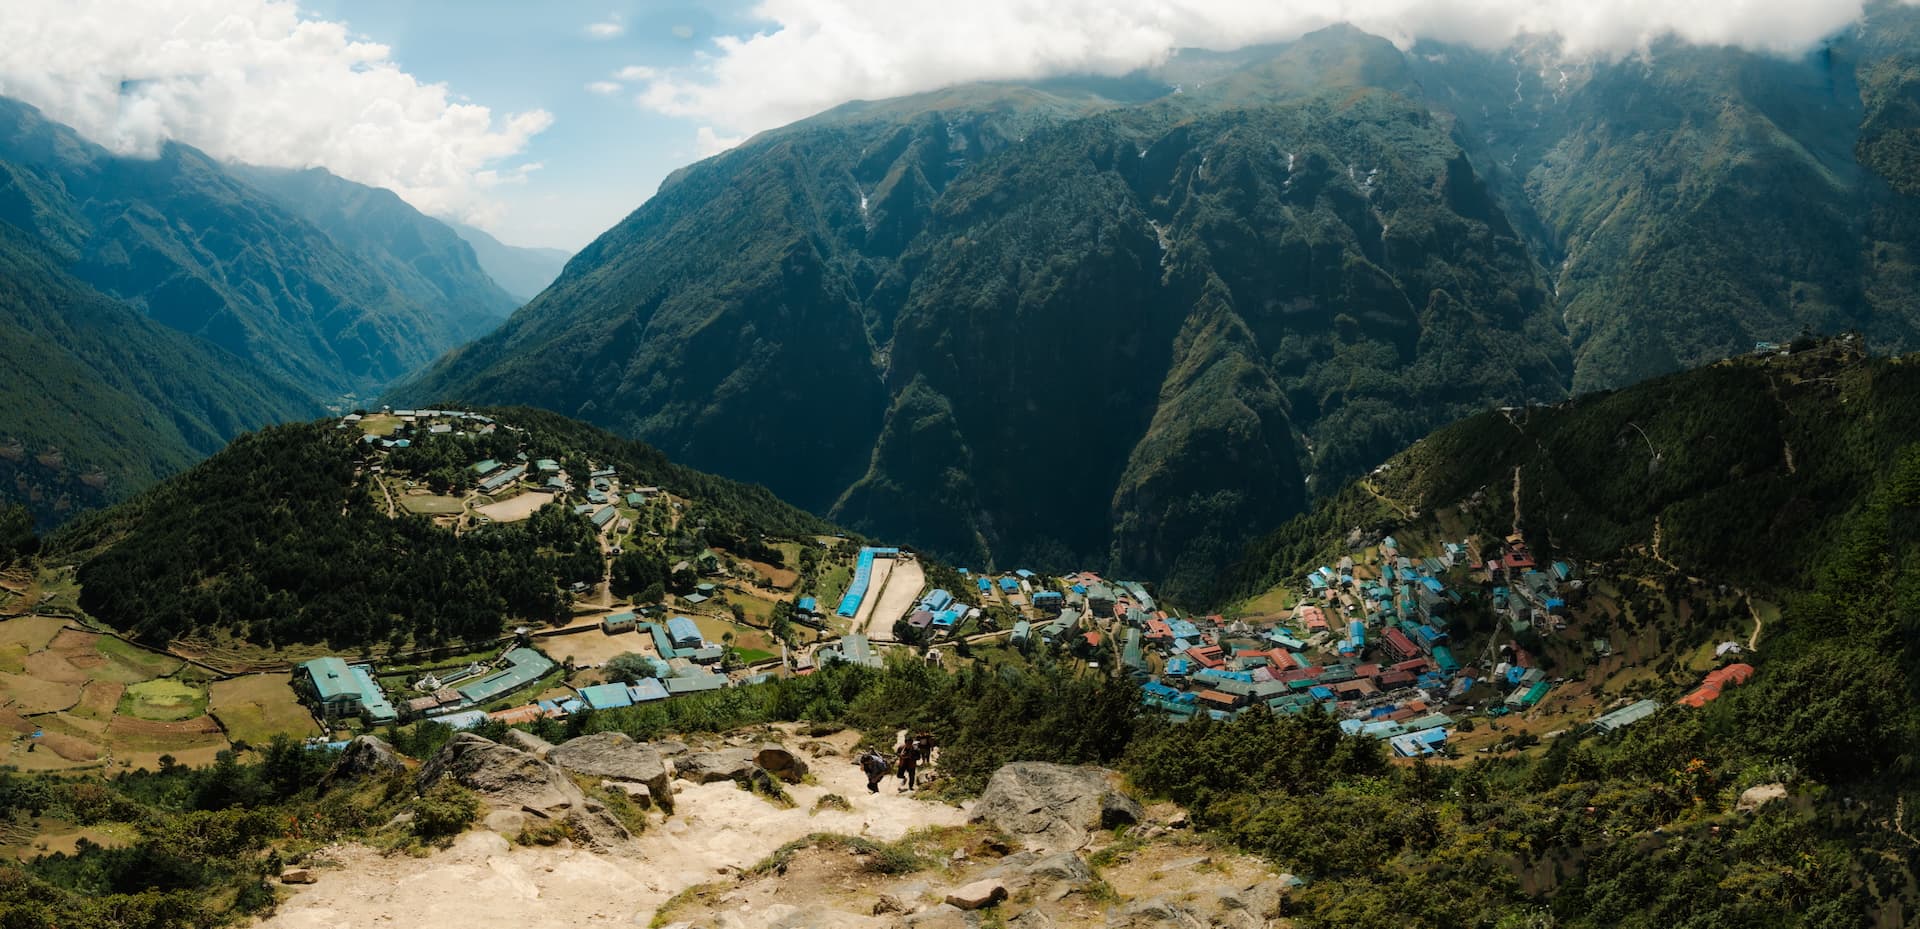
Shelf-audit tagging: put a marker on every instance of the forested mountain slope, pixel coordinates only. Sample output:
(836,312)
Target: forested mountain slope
(287,536)
(199,250)
(428,263)
(1782,486)
(1019,324)
(97,401)
(1117,322)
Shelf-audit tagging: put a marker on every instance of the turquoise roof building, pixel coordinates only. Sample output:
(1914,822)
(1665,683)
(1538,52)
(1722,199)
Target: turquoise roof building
(338,690)
(524,666)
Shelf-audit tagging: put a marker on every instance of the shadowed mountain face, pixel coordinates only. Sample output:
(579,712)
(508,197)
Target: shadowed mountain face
(97,401)
(1118,322)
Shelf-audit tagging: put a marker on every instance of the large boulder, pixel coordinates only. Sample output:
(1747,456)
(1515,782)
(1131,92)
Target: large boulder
(727,764)
(780,762)
(527,742)
(616,757)
(367,756)
(507,778)
(1054,807)
(1753,798)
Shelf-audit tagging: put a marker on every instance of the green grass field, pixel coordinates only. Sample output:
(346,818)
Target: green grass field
(131,664)
(255,708)
(163,700)
(750,655)
(431,505)
(833,585)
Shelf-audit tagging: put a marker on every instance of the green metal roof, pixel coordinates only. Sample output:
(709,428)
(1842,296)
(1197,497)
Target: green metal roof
(331,678)
(526,666)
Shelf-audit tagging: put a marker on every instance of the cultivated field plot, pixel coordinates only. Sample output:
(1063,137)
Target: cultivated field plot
(69,698)
(164,700)
(255,708)
(24,636)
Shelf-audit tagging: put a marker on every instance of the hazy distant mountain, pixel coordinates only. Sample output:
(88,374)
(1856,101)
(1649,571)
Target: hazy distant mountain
(427,261)
(522,272)
(198,249)
(1119,322)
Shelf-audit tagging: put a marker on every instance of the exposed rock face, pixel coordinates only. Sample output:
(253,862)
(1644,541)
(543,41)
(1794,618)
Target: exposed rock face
(780,762)
(366,756)
(727,764)
(508,778)
(527,742)
(1155,913)
(1754,798)
(1054,807)
(1061,866)
(616,757)
(296,876)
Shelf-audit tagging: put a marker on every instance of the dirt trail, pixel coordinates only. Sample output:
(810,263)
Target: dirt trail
(1516,500)
(484,881)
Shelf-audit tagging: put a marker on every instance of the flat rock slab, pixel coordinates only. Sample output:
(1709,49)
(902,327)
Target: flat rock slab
(977,895)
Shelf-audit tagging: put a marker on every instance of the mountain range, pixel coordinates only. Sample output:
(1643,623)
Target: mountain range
(1119,321)
(154,308)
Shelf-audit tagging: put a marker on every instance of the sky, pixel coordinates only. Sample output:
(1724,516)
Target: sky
(547,121)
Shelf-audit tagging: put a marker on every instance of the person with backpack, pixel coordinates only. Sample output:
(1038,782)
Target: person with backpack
(875,765)
(910,765)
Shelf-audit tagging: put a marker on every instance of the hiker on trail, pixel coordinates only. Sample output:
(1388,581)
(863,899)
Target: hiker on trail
(923,746)
(910,766)
(875,765)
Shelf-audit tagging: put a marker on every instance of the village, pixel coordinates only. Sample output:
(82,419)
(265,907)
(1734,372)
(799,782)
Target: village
(1417,645)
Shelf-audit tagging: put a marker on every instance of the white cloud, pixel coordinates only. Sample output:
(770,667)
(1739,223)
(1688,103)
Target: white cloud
(603,88)
(611,28)
(711,143)
(682,32)
(819,53)
(255,82)
(635,73)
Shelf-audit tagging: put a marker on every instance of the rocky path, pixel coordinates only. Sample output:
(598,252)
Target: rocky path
(717,829)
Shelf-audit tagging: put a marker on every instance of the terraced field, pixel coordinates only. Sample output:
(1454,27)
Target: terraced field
(73,698)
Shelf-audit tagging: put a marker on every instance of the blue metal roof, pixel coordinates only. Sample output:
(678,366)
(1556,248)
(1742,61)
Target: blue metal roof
(606,696)
(682,630)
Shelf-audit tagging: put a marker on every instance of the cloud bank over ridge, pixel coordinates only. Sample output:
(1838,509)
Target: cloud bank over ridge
(815,54)
(254,81)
